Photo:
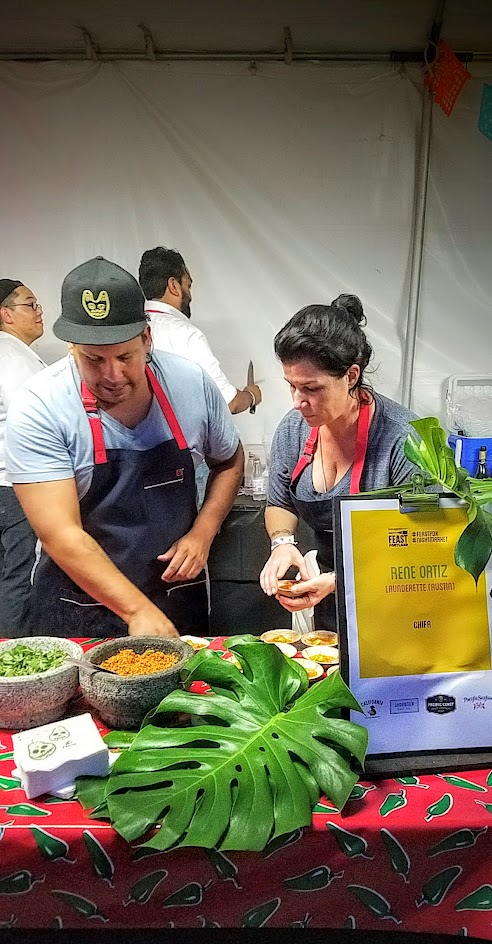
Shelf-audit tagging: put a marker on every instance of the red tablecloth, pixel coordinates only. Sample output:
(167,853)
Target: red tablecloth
(401,857)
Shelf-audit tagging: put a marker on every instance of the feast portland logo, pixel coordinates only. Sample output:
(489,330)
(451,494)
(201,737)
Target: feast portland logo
(397,537)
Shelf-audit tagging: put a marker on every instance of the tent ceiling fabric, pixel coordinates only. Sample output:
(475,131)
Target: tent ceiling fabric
(32,28)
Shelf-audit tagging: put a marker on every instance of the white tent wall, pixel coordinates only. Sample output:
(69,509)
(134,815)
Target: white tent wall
(455,319)
(281,187)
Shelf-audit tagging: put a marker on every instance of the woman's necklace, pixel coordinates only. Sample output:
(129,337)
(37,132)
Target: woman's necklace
(320,441)
(325,489)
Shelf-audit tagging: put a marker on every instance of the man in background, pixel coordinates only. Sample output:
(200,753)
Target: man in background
(21,323)
(166,284)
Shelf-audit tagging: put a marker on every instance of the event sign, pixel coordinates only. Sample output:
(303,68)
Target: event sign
(415,629)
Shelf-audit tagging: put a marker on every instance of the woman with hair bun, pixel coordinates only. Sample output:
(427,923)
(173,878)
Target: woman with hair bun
(340,438)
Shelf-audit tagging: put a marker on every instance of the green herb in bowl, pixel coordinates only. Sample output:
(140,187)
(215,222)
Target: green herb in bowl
(36,681)
(23,660)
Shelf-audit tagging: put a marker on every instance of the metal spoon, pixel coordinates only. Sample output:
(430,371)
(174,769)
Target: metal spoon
(89,666)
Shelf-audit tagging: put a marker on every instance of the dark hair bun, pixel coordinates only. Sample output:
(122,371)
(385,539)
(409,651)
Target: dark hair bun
(353,306)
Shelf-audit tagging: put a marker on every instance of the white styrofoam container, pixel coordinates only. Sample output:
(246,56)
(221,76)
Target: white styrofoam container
(465,390)
(50,757)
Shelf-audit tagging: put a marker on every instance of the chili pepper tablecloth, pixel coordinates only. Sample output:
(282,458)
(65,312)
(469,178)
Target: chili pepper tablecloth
(412,854)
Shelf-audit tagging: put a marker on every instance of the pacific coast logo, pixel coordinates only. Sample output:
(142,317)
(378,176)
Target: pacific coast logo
(97,308)
(440,704)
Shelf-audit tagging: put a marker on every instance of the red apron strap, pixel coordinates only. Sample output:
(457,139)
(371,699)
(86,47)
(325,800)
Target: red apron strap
(90,407)
(167,409)
(360,445)
(307,456)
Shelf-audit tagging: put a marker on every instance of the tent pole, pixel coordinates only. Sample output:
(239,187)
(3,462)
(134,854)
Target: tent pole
(314,56)
(417,245)
(420,205)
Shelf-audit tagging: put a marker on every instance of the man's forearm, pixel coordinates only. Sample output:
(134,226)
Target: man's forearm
(241,402)
(81,557)
(222,487)
(52,509)
(246,398)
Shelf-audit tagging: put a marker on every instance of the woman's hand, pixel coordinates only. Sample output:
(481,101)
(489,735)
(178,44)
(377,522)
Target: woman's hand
(307,593)
(277,565)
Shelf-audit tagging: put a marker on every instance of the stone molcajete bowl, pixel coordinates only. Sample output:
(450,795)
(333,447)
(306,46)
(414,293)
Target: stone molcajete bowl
(122,701)
(27,701)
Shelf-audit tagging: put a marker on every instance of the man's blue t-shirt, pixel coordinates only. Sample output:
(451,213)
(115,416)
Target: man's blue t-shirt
(48,437)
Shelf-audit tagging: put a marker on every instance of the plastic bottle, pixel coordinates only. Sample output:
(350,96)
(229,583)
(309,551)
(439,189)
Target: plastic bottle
(248,476)
(262,493)
(481,472)
(257,478)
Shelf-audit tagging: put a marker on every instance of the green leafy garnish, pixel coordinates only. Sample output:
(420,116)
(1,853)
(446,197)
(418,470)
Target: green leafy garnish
(429,451)
(433,455)
(263,748)
(23,660)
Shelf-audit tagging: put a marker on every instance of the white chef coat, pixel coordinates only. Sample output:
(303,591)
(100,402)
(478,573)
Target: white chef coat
(172,331)
(17,362)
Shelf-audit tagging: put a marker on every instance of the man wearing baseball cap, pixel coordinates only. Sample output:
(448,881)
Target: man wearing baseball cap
(21,323)
(101,450)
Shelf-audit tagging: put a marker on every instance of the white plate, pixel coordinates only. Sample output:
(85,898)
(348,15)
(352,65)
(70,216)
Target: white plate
(196,642)
(308,664)
(286,648)
(326,638)
(328,654)
(289,635)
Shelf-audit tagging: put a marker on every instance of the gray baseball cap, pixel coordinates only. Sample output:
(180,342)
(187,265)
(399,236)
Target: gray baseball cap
(101,303)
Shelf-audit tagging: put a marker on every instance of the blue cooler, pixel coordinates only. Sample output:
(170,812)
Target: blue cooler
(466,449)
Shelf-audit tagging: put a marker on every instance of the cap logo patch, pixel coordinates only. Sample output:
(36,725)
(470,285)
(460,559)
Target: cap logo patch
(96,308)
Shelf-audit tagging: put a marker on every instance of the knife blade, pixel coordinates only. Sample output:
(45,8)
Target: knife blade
(250,380)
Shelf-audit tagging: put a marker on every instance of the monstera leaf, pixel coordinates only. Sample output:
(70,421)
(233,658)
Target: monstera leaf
(429,451)
(261,749)
(433,455)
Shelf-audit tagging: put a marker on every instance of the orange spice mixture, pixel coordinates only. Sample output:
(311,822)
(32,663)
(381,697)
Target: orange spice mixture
(129,662)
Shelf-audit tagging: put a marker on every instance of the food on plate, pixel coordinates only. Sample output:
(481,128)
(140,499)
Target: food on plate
(323,637)
(230,657)
(312,668)
(129,662)
(285,587)
(280,635)
(24,660)
(196,642)
(325,655)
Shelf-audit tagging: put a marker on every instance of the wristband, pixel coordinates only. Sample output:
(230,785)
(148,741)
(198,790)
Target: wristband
(284,539)
(253,398)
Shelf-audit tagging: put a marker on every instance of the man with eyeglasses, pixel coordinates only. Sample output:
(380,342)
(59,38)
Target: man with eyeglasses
(21,323)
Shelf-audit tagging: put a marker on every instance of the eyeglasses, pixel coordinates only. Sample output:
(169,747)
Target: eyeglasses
(36,306)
